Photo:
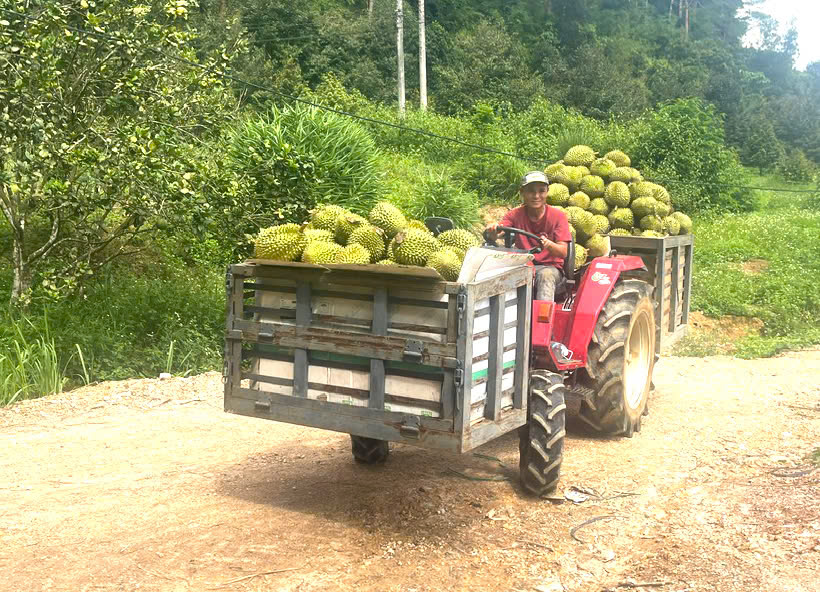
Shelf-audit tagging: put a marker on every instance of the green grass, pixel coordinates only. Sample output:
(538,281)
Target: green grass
(784,294)
(29,365)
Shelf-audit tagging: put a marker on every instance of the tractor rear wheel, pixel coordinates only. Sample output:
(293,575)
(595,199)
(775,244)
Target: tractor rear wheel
(369,450)
(620,360)
(541,440)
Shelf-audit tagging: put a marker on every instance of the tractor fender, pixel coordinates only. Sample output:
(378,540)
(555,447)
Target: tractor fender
(593,292)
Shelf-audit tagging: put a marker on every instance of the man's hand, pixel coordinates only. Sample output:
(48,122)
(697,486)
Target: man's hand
(492,229)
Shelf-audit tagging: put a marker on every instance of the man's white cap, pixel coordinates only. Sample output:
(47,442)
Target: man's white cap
(533,177)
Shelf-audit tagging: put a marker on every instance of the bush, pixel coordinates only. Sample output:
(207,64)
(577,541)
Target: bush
(795,167)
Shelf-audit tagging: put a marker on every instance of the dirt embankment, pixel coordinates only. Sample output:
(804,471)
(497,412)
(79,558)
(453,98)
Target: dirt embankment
(148,485)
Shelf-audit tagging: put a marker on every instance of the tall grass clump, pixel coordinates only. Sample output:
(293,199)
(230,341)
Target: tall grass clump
(29,364)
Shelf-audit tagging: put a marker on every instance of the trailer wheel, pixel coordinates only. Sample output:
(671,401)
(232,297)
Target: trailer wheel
(541,440)
(369,450)
(620,360)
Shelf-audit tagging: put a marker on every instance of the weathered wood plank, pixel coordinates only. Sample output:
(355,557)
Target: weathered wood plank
(485,431)
(501,284)
(522,356)
(376,365)
(495,366)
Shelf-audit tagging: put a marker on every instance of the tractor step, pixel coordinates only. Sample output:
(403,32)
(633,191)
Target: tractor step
(584,393)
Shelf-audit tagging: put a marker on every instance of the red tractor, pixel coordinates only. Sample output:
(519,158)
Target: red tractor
(595,343)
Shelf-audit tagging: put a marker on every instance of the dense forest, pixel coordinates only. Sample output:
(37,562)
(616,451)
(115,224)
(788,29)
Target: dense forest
(143,144)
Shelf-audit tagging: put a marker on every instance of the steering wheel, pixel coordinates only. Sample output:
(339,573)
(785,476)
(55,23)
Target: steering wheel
(509,238)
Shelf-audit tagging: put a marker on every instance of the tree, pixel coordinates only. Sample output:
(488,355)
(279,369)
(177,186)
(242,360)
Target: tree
(98,110)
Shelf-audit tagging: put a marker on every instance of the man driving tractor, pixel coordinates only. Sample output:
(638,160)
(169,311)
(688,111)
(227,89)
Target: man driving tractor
(536,217)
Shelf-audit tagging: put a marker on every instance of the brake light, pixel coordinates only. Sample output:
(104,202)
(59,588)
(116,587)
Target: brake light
(545,312)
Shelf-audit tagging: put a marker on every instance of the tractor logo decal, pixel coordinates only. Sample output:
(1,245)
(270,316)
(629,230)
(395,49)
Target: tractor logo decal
(600,278)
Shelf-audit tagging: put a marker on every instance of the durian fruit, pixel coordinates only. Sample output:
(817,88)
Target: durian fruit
(651,223)
(580,256)
(345,224)
(602,167)
(387,217)
(642,189)
(317,234)
(386,262)
(557,194)
(619,158)
(617,194)
(599,206)
(621,218)
(390,251)
(592,185)
(671,226)
(371,238)
(644,206)
(320,252)
(651,234)
(596,246)
(662,209)
(353,254)
(574,176)
(585,225)
(560,176)
(459,239)
(446,262)
(280,243)
(413,247)
(324,217)
(622,174)
(662,195)
(580,199)
(573,214)
(579,156)
(418,224)
(601,223)
(584,170)
(684,221)
(620,232)
(573,232)
(554,168)
(637,177)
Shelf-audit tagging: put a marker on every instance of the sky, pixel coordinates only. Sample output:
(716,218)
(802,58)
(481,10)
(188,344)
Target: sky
(806,17)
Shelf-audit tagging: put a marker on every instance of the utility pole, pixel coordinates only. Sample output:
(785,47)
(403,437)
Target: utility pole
(400,51)
(369,8)
(422,59)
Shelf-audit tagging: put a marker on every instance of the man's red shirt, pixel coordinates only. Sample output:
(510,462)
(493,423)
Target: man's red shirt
(553,224)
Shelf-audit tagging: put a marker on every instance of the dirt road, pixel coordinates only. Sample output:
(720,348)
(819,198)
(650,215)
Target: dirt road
(148,485)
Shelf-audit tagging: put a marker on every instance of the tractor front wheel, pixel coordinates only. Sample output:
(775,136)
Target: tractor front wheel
(621,359)
(369,450)
(541,440)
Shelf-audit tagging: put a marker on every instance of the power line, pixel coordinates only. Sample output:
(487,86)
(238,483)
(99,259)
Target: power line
(480,148)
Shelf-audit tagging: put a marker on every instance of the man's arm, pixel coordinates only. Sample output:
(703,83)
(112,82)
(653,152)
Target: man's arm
(556,248)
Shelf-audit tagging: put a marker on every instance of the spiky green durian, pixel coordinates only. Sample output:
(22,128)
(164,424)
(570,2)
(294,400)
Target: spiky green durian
(620,232)
(652,234)
(684,221)
(662,195)
(387,217)
(345,224)
(644,206)
(386,262)
(320,252)
(671,226)
(557,194)
(592,185)
(573,213)
(579,156)
(621,218)
(651,223)
(663,210)
(560,176)
(579,199)
(458,238)
(280,243)
(354,254)
(596,246)
(446,262)
(601,223)
(622,174)
(585,225)
(418,225)
(599,206)
(574,176)
(642,189)
(617,194)
(554,168)
(602,167)
(371,238)
(619,158)
(324,217)
(637,177)
(580,256)
(413,247)
(317,234)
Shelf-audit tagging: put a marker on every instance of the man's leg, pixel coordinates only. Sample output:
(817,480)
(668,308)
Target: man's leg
(546,278)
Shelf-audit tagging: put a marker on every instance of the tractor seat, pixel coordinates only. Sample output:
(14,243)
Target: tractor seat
(567,282)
